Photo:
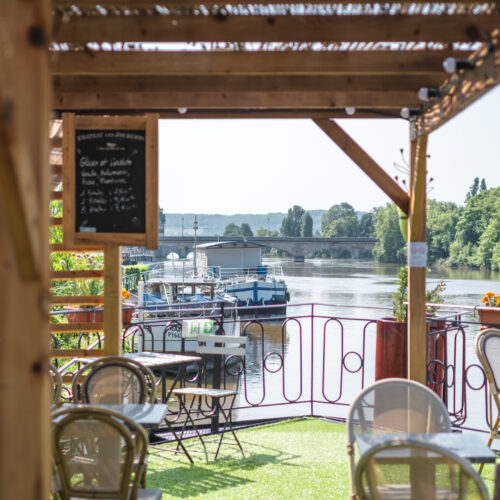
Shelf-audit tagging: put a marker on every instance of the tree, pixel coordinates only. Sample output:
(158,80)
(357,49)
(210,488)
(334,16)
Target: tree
(345,227)
(367,225)
(306,228)
(442,218)
(390,247)
(232,230)
(162,217)
(246,231)
(292,222)
(263,233)
(336,212)
(473,189)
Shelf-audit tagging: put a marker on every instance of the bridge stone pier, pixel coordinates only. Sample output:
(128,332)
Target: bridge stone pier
(298,248)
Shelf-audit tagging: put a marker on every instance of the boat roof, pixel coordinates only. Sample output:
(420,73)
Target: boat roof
(230,244)
(180,282)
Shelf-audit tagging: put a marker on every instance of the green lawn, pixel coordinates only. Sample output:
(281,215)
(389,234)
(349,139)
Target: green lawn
(294,459)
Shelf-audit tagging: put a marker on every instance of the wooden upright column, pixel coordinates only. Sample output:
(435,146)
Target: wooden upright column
(417,261)
(25,454)
(112,301)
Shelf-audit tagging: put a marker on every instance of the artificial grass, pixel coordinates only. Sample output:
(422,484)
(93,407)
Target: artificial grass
(294,459)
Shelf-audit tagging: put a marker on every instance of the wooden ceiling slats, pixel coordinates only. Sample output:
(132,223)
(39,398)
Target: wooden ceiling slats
(190,3)
(324,28)
(255,63)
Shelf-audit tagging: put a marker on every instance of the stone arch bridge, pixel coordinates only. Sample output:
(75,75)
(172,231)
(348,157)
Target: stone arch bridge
(298,248)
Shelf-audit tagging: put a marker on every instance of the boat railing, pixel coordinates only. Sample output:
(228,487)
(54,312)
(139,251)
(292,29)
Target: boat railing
(227,273)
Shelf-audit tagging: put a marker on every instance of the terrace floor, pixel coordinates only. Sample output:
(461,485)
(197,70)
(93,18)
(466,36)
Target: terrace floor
(294,459)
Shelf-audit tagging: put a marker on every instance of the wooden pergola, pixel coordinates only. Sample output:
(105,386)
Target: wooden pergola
(319,60)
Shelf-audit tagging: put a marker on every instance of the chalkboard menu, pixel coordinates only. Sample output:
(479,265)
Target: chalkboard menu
(110,180)
(110,185)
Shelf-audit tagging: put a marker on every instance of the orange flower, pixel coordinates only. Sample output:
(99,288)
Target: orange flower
(125,294)
(491,300)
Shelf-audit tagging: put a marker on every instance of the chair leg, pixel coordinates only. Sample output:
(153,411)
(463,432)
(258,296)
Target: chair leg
(493,435)
(188,416)
(228,421)
(179,442)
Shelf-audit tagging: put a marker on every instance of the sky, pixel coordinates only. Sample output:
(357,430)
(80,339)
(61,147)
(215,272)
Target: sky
(260,166)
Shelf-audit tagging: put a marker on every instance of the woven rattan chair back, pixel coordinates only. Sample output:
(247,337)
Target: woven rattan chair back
(98,453)
(487,346)
(394,406)
(406,468)
(111,380)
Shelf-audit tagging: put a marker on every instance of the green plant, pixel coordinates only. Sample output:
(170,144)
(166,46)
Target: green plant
(400,296)
(435,296)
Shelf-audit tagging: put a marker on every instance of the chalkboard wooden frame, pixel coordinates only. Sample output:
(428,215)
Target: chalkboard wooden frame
(149,123)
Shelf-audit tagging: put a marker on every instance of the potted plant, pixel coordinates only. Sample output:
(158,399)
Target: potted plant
(489,315)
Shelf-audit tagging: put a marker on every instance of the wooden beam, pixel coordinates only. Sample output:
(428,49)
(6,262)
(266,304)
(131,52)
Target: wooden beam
(279,28)
(246,83)
(84,274)
(76,327)
(417,262)
(365,162)
(259,114)
(230,99)
(462,90)
(170,63)
(112,300)
(25,450)
(151,182)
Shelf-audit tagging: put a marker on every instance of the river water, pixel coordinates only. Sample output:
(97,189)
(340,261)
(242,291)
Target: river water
(357,291)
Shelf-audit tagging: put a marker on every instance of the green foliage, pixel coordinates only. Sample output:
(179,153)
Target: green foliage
(246,230)
(239,231)
(134,274)
(162,217)
(390,246)
(367,225)
(306,228)
(442,218)
(292,223)
(478,231)
(263,233)
(400,296)
(435,296)
(346,227)
(335,213)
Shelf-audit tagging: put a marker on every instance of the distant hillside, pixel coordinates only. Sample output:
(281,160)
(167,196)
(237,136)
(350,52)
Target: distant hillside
(214,224)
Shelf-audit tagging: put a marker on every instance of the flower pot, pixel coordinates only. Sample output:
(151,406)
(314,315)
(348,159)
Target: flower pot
(96,315)
(391,359)
(489,317)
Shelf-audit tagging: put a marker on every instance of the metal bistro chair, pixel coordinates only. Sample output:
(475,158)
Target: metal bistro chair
(393,406)
(99,453)
(406,469)
(487,346)
(233,349)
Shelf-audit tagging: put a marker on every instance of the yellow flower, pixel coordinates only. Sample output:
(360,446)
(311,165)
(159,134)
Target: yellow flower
(125,294)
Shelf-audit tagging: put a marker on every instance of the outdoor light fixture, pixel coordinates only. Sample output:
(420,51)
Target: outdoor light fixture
(182,111)
(350,111)
(452,65)
(424,93)
(407,113)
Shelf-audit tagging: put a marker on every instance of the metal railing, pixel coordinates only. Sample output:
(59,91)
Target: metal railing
(316,358)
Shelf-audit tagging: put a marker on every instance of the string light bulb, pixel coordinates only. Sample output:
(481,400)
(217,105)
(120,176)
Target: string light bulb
(350,110)
(452,65)
(425,94)
(182,111)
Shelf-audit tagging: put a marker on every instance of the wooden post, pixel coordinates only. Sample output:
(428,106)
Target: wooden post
(25,453)
(417,262)
(112,300)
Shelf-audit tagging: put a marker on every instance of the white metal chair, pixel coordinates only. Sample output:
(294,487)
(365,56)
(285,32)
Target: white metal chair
(231,349)
(99,453)
(487,346)
(393,406)
(56,385)
(407,469)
